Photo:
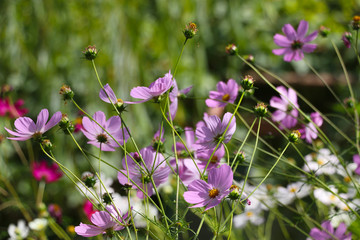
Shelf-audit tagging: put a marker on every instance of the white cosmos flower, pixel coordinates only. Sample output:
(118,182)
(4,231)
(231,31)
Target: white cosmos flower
(38,224)
(20,231)
(322,162)
(252,215)
(291,192)
(327,197)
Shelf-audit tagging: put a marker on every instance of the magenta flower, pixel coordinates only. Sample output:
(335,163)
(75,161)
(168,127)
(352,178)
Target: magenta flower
(329,233)
(209,194)
(104,222)
(226,93)
(309,131)
(294,43)
(15,110)
(141,175)
(174,95)
(42,171)
(187,170)
(55,212)
(25,128)
(212,128)
(356,159)
(346,37)
(89,209)
(286,113)
(156,89)
(98,137)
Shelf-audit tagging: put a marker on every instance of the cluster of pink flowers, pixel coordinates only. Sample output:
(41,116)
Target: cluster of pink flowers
(12,110)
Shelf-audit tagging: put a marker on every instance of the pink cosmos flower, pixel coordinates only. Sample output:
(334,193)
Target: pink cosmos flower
(140,174)
(42,171)
(309,131)
(104,222)
(286,113)
(209,194)
(156,89)
(204,156)
(339,233)
(174,95)
(25,128)
(294,43)
(186,168)
(226,93)
(356,159)
(98,137)
(212,128)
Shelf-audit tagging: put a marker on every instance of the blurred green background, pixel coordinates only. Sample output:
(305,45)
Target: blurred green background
(42,41)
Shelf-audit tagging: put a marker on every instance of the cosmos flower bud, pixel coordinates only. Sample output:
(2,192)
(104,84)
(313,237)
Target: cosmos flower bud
(90,52)
(66,92)
(261,109)
(47,145)
(356,23)
(190,30)
(235,193)
(240,156)
(347,39)
(89,179)
(247,83)
(324,31)
(294,136)
(107,198)
(250,58)
(231,49)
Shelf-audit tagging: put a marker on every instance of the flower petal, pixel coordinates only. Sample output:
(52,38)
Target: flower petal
(282,41)
(41,120)
(289,32)
(302,29)
(108,93)
(55,119)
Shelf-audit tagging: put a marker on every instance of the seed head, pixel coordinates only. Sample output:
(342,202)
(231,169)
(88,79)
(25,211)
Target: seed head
(247,83)
(67,93)
(261,109)
(190,30)
(90,52)
(324,31)
(356,23)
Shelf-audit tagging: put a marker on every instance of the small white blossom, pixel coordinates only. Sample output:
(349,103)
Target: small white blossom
(291,192)
(38,224)
(249,215)
(326,197)
(18,232)
(322,162)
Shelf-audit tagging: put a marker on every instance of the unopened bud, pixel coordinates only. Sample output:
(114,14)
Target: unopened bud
(347,39)
(235,193)
(190,30)
(356,23)
(90,52)
(231,49)
(107,198)
(250,58)
(261,109)
(247,83)
(324,31)
(47,145)
(66,92)
(294,136)
(89,179)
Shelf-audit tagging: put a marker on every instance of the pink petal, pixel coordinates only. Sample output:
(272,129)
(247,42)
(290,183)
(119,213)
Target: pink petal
(310,37)
(25,125)
(298,55)
(302,29)
(87,230)
(55,119)
(278,103)
(280,51)
(278,115)
(289,55)
(289,32)
(282,41)
(108,93)
(309,47)
(41,120)
(141,92)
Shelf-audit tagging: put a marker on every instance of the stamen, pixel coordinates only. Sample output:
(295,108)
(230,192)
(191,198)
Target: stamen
(213,193)
(226,97)
(102,138)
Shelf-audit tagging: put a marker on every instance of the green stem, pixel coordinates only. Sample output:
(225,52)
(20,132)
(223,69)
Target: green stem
(178,60)
(40,193)
(252,157)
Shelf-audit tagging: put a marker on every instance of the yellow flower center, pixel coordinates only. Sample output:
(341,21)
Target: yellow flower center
(347,179)
(320,162)
(226,97)
(293,190)
(213,193)
(249,214)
